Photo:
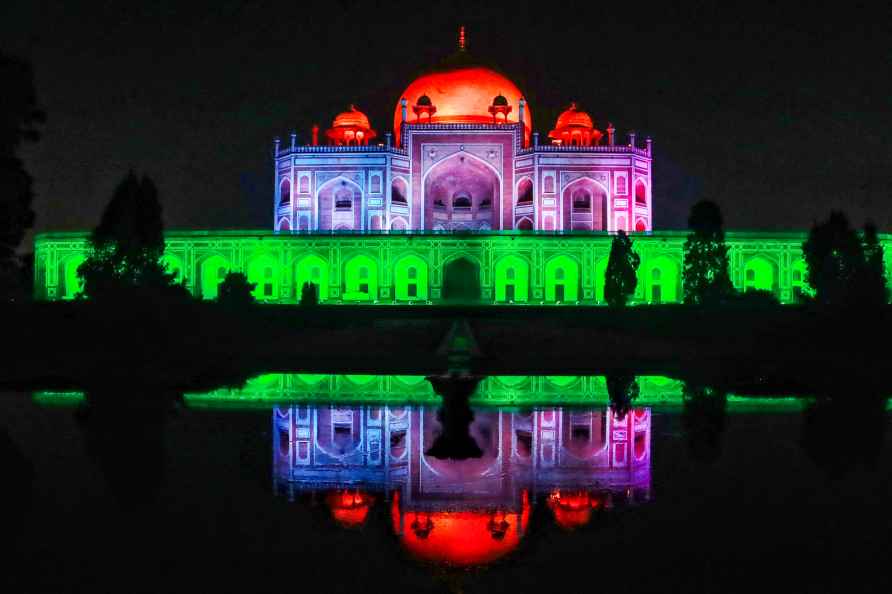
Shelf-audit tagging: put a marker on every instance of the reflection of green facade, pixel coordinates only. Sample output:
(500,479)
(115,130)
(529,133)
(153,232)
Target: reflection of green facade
(399,268)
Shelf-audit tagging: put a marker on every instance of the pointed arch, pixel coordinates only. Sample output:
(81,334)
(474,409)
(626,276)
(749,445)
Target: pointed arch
(461,191)
(173,265)
(600,276)
(361,278)
(331,215)
(410,275)
(512,274)
(263,270)
(759,273)
(212,272)
(72,284)
(311,268)
(584,205)
(561,279)
(660,280)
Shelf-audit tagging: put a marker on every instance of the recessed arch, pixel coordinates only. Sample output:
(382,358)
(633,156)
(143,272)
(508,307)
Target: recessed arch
(263,271)
(640,193)
(461,278)
(284,225)
(660,280)
(410,276)
(525,224)
(759,273)
(361,278)
(600,276)
(312,269)
(524,192)
(339,190)
(173,265)
(584,205)
(72,283)
(561,279)
(399,191)
(799,280)
(512,274)
(461,191)
(213,271)
(398,224)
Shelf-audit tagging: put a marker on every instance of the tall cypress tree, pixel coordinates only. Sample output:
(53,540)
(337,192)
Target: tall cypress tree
(873,286)
(126,247)
(621,275)
(706,278)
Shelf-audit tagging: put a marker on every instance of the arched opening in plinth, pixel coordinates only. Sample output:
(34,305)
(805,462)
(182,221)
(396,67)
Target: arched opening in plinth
(461,280)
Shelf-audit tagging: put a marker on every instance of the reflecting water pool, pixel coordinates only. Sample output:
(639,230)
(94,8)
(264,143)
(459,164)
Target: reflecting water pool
(637,484)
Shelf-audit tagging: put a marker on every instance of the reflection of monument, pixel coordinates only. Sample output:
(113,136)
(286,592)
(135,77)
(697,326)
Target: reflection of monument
(470,511)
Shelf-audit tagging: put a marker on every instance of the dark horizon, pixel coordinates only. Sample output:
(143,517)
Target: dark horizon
(193,96)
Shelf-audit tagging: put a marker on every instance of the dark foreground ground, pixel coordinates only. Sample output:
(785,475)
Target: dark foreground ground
(750,349)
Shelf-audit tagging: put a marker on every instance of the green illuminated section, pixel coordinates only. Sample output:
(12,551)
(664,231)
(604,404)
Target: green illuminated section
(402,268)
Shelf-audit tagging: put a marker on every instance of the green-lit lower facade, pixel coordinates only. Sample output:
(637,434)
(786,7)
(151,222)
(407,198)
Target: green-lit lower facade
(505,267)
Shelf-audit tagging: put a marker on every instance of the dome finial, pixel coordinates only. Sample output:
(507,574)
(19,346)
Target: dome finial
(461,38)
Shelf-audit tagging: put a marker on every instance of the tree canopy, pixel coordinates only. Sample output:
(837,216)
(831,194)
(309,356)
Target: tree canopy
(127,245)
(844,268)
(235,290)
(621,275)
(705,276)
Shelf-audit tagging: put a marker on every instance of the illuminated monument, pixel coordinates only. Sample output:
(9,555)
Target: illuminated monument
(462,188)
(468,512)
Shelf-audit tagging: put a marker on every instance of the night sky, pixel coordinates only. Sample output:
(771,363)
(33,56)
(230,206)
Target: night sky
(777,117)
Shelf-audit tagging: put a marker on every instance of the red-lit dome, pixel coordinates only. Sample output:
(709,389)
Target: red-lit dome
(351,127)
(575,126)
(349,508)
(463,94)
(572,509)
(461,538)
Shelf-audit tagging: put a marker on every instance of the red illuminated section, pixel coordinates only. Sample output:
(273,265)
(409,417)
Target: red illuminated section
(573,509)
(462,95)
(350,509)
(575,127)
(350,127)
(461,538)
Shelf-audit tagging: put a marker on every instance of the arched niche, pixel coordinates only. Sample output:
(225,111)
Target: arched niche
(512,275)
(584,206)
(561,279)
(660,280)
(410,276)
(263,271)
(340,205)
(213,271)
(360,279)
(461,191)
(461,280)
(312,269)
(72,284)
(173,265)
(759,274)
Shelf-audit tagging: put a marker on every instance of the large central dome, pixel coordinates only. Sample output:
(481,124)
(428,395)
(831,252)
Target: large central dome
(462,93)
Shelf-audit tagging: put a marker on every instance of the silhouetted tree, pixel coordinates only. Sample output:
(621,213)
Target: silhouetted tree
(126,247)
(843,268)
(455,441)
(309,294)
(621,276)
(19,121)
(236,291)
(622,390)
(703,418)
(840,434)
(705,277)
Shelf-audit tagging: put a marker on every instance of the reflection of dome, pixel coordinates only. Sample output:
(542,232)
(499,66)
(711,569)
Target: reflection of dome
(462,92)
(572,509)
(349,509)
(461,538)
(351,127)
(575,127)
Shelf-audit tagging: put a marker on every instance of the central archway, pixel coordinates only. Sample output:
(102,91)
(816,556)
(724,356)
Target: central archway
(461,280)
(461,192)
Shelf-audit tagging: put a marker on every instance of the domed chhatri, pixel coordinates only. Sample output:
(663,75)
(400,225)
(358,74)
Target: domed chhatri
(575,127)
(350,127)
